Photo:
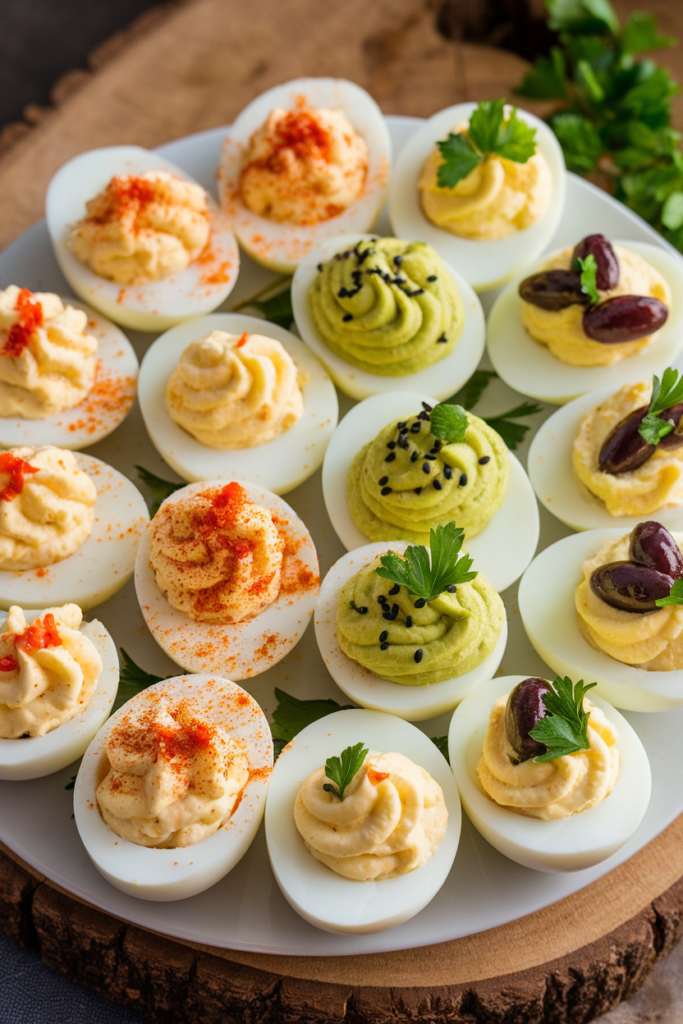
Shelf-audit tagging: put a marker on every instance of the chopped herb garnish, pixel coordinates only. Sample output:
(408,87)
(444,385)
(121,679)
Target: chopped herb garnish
(342,769)
(160,488)
(426,578)
(665,394)
(292,715)
(132,680)
(564,730)
(589,272)
(488,132)
(449,423)
(675,597)
(441,742)
(513,433)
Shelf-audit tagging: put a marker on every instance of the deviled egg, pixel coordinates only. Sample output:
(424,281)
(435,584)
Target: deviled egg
(530,368)
(59,678)
(318,892)
(225,381)
(427,333)
(501,561)
(305,161)
(580,825)
(181,772)
(160,256)
(226,577)
(485,262)
(417,644)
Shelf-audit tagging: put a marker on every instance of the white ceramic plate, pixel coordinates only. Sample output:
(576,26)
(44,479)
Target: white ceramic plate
(546,604)
(281,464)
(501,562)
(530,368)
(441,379)
(485,265)
(414,703)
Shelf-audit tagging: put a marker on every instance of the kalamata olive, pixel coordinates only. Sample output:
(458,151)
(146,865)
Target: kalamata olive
(624,449)
(524,709)
(652,545)
(607,276)
(553,290)
(629,587)
(624,318)
(673,415)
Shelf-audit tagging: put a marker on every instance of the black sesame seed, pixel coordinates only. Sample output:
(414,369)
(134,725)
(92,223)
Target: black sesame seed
(416,427)
(342,293)
(383,646)
(409,621)
(362,611)
(423,416)
(402,425)
(452,589)
(437,446)
(432,277)
(484,459)
(418,490)
(320,267)
(463,479)
(385,491)
(415,456)
(447,472)
(418,655)
(403,442)
(394,590)
(384,480)
(437,485)
(441,339)
(383,636)
(427,407)
(394,609)
(398,260)
(420,603)
(382,599)
(426,468)
(390,457)
(429,457)
(391,444)
(347,317)
(388,616)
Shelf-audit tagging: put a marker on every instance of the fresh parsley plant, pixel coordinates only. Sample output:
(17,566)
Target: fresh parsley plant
(292,715)
(159,487)
(665,394)
(564,730)
(449,421)
(513,433)
(589,273)
(132,680)
(489,131)
(675,597)
(341,770)
(426,577)
(469,395)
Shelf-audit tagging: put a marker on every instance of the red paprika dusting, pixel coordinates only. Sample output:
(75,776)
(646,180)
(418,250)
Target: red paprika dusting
(31,317)
(242,341)
(376,777)
(8,664)
(17,468)
(301,131)
(125,196)
(40,634)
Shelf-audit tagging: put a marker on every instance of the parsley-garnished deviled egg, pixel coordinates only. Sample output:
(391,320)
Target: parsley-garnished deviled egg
(67,374)
(226,576)
(236,397)
(605,605)
(58,681)
(305,161)
(484,184)
(362,822)
(552,779)
(410,630)
(171,791)
(388,476)
(138,239)
(377,309)
(601,313)
(70,526)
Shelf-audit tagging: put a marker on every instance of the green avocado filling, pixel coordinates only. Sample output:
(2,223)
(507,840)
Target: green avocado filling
(387,306)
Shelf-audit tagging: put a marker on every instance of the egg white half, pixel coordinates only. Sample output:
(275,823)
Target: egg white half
(414,703)
(546,604)
(529,367)
(36,756)
(568,844)
(281,464)
(242,649)
(281,246)
(322,897)
(501,561)
(104,407)
(441,379)
(156,305)
(102,565)
(175,874)
(485,264)
(552,474)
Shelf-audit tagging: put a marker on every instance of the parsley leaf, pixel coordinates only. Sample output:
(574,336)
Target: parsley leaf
(485,123)
(665,394)
(470,394)
(132,680)
(342,769)
(564,730)
(459,159)
(441,742)
(277,309)
(589,273)
(672,211)
(426,578)
(547,78)
(640,33)
(449,423)
(489,131)
(516,139)
(160,488)
(675,597)
(513,433)
(292,715)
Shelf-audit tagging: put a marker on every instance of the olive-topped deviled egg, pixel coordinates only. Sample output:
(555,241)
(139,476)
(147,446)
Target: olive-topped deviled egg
(488,205)
(305,161)
(138,239)
(528,754)
(410,630)
(596,314)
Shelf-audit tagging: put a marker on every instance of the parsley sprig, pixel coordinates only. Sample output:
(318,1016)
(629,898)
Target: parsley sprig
(159,487)
(449,421)
(489,131)
(132,680)
(426,577)
(341,770)
(513,433)
(277,308)
(564,730)
(589,274)
(665,394)
(675,597)
(292,715)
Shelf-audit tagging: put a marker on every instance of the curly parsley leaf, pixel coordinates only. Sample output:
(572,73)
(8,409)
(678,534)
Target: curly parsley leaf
(675,597)
(160,488)
(589,274)
(564,730)
(489,131)
(441,743)
(665,394)
(292,715)
(449,423)
(513,433)
(341,770)
(459,159)
(426,577)
(132,680)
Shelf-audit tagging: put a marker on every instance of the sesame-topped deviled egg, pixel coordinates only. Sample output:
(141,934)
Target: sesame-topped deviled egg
(484,184)
(232,396)
(138,239)
(377,309)
(171,791)
(58,680)
(226,576)
(305,161)
(70,526)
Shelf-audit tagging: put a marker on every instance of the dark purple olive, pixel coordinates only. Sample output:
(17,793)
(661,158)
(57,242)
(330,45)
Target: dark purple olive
(624,449)
(624,318)
(607,276)
(524,709)
(629,587)
(652,545)
(553,290)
